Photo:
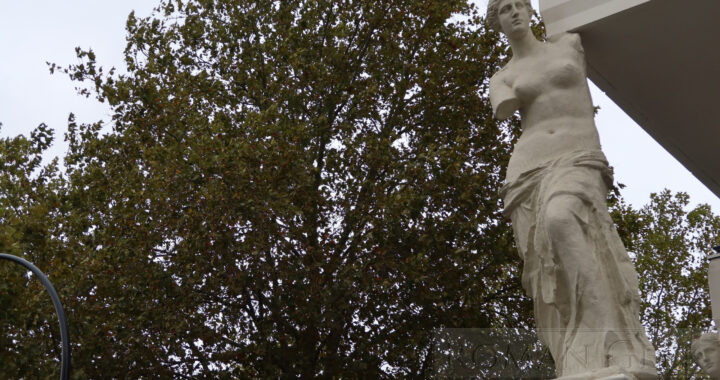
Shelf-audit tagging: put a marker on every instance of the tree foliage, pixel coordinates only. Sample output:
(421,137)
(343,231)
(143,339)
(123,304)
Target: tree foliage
(289,189)
(669,245)
(29,208)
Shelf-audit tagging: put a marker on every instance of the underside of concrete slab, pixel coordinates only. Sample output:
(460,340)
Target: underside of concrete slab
(659,60)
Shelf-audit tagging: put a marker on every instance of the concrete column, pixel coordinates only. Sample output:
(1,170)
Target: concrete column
(714,283)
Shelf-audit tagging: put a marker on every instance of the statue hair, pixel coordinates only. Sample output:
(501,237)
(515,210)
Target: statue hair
(706,338)
(492,13)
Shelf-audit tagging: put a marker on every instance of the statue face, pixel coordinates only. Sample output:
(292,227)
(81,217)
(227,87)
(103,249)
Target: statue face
(514,17)
(708,356)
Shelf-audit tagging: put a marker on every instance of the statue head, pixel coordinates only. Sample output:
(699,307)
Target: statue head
(706,351)
(501,16)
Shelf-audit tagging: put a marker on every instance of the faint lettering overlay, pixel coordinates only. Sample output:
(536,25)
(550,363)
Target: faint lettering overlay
(510,354)
(490,354)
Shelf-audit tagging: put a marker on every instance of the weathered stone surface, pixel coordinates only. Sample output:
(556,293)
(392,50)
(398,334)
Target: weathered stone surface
(584,286)
(706,351)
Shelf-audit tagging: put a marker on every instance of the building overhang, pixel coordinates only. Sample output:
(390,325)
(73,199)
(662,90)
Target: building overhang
(658,60)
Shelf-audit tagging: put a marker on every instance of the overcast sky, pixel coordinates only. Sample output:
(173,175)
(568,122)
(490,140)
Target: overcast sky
(33,32)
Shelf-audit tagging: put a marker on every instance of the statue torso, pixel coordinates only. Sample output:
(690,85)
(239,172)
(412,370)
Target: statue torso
(554,102)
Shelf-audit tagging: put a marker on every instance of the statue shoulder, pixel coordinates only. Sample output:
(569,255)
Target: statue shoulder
(569,39)
(501,79)
(502,97)
(499,76)
(503,75)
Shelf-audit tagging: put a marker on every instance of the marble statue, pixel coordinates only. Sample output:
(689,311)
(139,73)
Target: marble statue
(706,351)
(583,285)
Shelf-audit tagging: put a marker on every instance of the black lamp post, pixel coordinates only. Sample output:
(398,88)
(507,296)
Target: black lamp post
(64,335)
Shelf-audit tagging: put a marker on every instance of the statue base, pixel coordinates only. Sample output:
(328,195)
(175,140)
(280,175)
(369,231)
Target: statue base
(614,373)
(587,376)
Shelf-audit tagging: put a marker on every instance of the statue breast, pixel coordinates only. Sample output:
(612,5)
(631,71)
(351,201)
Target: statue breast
(557,69)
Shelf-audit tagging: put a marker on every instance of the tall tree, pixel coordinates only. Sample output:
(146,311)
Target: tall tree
(290,188)
(29,209)
(669,245)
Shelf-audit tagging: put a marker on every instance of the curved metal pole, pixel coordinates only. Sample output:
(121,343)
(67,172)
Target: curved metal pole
(64,334)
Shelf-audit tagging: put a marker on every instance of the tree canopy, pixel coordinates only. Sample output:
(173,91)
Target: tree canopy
(668,244)
(288,188)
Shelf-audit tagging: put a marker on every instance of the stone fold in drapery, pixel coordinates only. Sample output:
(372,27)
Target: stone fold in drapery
(585,293)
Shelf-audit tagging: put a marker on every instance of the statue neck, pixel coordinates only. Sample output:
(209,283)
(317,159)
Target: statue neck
(525,46)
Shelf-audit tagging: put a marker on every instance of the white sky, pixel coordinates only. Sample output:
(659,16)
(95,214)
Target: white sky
(35,31)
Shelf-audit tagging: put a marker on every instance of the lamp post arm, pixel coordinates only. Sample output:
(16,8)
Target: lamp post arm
(64,334)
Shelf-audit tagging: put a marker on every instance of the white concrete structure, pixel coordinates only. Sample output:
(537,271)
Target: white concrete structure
(659,60)
(714,284)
